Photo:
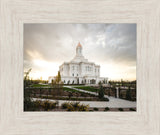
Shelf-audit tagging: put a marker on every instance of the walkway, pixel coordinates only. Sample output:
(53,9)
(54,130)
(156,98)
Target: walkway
(98,104)
(113,102)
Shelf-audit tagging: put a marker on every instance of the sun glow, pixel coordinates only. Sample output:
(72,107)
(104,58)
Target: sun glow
(118,72)
(44,69)
(112,71)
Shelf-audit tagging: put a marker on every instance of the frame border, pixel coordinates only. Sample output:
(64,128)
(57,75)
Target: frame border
(14,13)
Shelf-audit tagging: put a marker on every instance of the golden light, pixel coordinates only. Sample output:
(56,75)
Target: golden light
(117,72)
(45,69)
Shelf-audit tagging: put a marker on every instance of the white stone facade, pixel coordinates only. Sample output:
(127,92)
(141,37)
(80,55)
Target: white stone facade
(80,71)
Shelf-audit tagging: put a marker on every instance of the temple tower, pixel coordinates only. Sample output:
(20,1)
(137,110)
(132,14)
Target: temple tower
(79,50)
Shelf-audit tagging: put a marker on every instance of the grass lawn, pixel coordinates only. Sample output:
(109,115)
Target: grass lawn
(72,90)
(74,85)
(40,85)
(87,88)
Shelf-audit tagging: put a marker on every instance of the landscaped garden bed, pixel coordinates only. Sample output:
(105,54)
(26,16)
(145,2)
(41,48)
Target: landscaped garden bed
(46,105)
(87,88)
(63,93)
(71,98)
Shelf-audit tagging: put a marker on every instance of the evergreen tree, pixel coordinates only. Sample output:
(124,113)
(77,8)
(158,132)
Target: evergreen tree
(101,92)
(128,94)
(26,78)
(27,100)
(58,78)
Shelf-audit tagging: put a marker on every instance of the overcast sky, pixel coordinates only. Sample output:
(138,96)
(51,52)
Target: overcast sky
(112,46)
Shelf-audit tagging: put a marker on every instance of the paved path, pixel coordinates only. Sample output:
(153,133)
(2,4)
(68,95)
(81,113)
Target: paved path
(113,102)
(98,104)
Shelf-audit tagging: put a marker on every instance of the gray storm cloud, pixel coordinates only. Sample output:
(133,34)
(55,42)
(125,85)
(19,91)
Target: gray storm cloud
(102,43)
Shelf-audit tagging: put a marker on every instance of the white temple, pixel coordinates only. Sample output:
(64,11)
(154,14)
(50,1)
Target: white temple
(80,71)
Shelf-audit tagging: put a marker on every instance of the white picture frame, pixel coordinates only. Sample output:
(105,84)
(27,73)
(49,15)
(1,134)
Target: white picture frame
(145,121)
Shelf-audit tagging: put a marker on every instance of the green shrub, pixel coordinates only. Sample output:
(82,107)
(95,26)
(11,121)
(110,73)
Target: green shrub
(65,105)
(70,108)
(95,109)
(53,105)
(47,105)
(37,103)
(104,99)
(75,106)
(131,109)
(128,94)
(28,105)
(101,92)
(83,107)
(120,109)
(90,110)
(106,109)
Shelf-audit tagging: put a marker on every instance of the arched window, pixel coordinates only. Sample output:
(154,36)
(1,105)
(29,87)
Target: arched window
(68,81)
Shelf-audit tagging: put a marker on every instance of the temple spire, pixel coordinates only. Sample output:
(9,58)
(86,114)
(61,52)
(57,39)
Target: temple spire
(79,45)
(79,49)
